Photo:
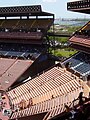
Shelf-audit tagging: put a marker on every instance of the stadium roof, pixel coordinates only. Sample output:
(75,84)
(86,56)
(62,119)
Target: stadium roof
(35,10)
(82,6)
(80,41)
(11,70)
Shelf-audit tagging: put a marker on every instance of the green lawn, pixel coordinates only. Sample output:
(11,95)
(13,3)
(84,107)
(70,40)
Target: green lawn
(64,53)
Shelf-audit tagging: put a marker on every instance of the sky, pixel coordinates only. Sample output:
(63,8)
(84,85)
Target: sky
(58,7)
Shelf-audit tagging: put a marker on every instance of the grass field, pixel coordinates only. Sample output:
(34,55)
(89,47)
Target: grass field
(63,52)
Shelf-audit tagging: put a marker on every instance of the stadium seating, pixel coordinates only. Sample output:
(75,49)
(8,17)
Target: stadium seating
(80,63)
(20,48)
(25,24)
(24,51)
(19,35)
(52,83)
(8,23)
(5,108)
(42,23)
(53,106)
(83,68)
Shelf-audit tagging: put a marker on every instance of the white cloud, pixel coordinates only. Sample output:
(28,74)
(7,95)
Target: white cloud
(49,0)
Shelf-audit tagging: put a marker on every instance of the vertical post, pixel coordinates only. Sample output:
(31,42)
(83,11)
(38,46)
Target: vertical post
(53,33)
